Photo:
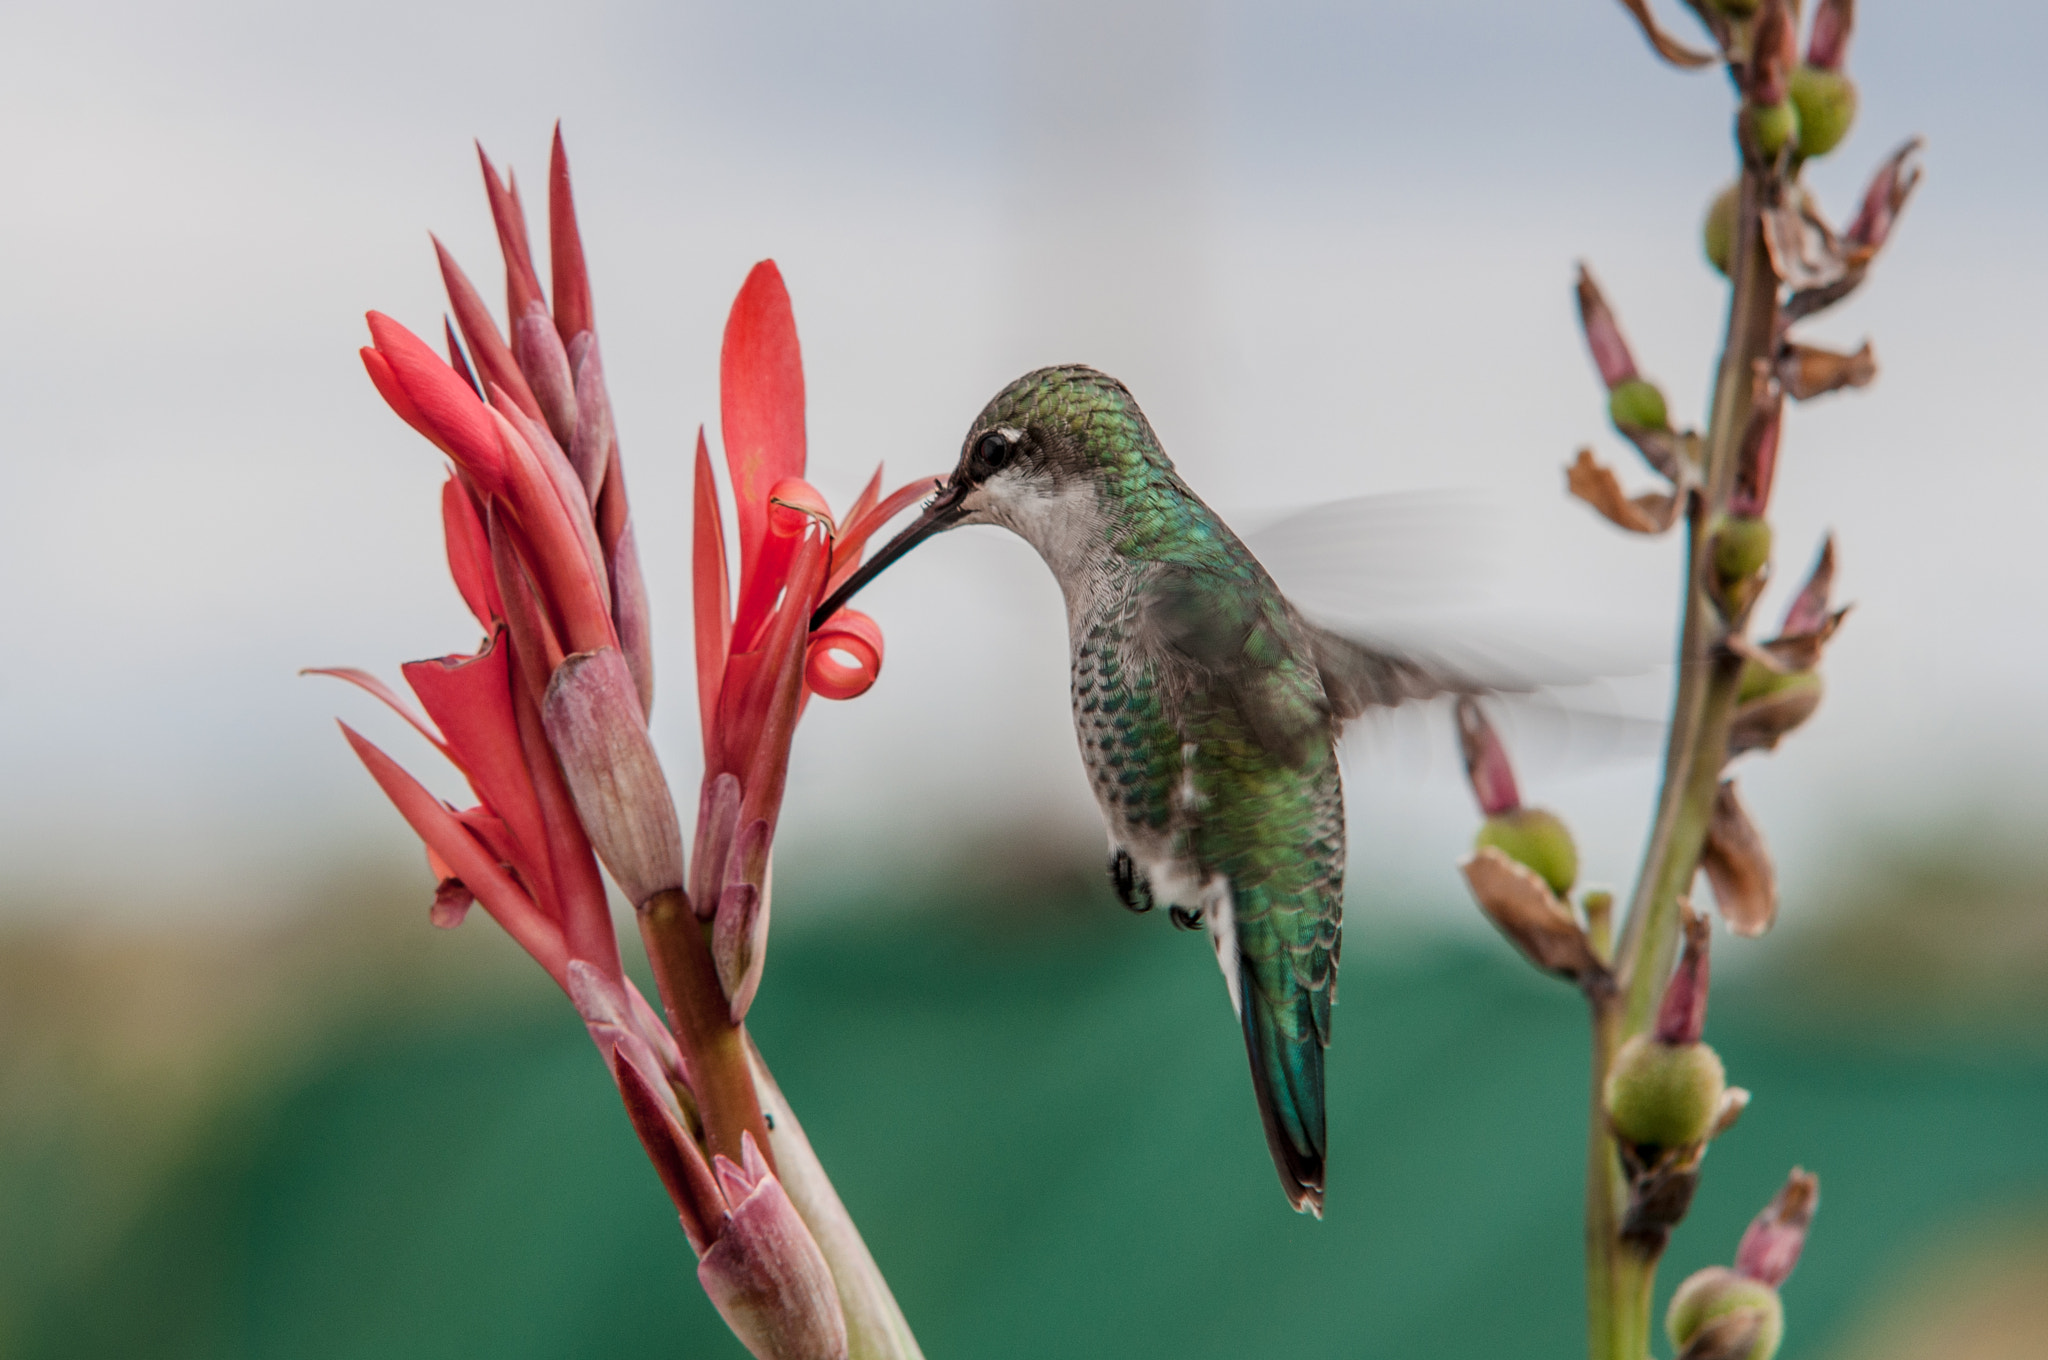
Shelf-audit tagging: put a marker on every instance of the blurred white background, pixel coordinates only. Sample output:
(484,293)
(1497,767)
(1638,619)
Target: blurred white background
(1329,246)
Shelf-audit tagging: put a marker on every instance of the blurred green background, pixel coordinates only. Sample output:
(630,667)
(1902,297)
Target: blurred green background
(358,1137)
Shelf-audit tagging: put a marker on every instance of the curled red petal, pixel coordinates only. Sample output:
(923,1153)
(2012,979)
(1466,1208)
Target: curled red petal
(448,838)
(844,656)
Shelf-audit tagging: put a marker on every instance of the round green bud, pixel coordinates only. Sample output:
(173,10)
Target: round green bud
(1827,106)
(1664,1095)
(1775,126)
(1716,1292)
(1741,547)
(1538,841)
(1719,230)
(1638,403)
(1761,682)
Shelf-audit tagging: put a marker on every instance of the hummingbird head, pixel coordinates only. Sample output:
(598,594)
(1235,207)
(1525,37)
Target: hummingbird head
(1038,460)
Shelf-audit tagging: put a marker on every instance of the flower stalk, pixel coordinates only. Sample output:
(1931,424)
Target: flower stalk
(1659,1093)
(548,722)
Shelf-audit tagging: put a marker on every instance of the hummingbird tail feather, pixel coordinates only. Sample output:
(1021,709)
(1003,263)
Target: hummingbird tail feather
(1286,1053)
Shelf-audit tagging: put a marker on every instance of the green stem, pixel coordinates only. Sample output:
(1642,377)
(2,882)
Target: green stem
(715,1048)
(1620,1277)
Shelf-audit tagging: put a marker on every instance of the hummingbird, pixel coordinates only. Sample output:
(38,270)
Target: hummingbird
(1207,708)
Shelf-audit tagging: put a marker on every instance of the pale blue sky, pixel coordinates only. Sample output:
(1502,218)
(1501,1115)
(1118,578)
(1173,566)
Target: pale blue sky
(1329,246)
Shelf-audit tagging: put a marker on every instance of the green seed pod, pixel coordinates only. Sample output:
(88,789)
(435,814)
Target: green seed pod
(1827,106)
(1536,840)
(1741,547)
(1774,126)
(1664,1095)
(1719,231)
(1638,403)
(1718,1292)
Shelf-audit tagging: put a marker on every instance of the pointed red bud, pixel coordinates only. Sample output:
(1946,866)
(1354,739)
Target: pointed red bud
(593,719)
(522,285)
(1486,760)
(493,357)
(573,314)
(1775,51)
(1603,334)
(1683,1015)
(739,933)
(1827,46)
(765,1273)
(1889,189)
(1771,1246)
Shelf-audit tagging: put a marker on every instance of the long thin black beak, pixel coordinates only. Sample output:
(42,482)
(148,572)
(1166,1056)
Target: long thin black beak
(940,515)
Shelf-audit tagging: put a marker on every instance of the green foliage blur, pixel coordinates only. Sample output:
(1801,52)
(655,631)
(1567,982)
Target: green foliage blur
(1034,1104)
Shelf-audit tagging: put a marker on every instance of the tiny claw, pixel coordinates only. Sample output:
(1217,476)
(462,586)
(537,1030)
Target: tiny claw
(1131,890)
(1185,919)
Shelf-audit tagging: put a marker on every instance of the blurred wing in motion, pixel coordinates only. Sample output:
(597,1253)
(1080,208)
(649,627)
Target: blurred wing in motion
(1416,594)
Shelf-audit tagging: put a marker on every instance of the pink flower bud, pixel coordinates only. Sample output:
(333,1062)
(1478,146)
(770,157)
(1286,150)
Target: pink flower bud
(1486,761)
(1683,1015)
(1775,52)
(1775,1238)
(593,720)
(765,1273)
(1603,334)
(1827,46)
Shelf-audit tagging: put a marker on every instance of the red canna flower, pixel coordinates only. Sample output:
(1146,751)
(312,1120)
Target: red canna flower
(758,659)
(548,723)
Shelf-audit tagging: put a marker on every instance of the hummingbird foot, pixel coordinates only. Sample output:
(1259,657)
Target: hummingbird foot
(1185,919)
(1132,889)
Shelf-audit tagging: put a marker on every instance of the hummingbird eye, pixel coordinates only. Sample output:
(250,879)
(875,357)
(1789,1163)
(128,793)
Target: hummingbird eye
(991,452)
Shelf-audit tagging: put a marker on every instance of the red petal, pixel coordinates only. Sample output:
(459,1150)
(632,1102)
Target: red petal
(470,698)
(561,559)
(761,401)
(711,598)
(442,403)
(859,528)
(446,836)
(494,360)
(469,554)
(855,634)
(386,383)
(573,314)
(363,680)
(774,697)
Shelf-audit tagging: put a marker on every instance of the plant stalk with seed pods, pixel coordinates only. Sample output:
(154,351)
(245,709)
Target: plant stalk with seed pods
(548,723)
(1659,1093)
